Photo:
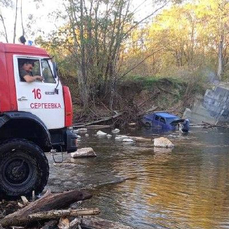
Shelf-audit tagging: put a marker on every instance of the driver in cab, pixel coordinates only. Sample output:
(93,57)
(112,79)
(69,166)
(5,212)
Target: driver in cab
(26,73)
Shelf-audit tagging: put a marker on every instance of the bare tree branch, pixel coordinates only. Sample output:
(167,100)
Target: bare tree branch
(4,26)
(139,63)
(145,18)
(15,22)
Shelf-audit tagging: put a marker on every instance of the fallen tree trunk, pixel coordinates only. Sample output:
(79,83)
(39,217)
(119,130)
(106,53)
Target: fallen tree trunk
(209,125)
(102,120)
(53,214)
(46,203)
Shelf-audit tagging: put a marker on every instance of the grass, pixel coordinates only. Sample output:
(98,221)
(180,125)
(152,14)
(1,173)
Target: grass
(150,81)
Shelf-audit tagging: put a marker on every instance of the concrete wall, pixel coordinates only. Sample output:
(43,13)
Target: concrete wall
(212,108)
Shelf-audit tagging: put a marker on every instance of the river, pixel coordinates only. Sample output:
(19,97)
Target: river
(139,186)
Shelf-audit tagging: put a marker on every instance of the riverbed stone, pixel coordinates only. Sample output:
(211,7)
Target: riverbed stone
(109,136)
(81,130)
(132,124)
(163,142)
(101,133)
(115,131)
(127,140)
(84,152)
(120,137)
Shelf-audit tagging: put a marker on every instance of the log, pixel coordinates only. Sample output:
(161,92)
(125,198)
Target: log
(209,125)
(48,202)
(98,127)
(141,139)
(105,119)
(54,214)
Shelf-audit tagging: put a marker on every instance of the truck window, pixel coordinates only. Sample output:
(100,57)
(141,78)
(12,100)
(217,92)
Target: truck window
(41,68)
(46,72)
(162,120)
(157,117)
(36,66)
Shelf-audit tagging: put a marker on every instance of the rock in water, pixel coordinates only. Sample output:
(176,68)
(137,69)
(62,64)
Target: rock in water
(163,142)
(127,140)
(120,137)
(109,136)
(115,131)
(81,130)
(84,152)
(101,133)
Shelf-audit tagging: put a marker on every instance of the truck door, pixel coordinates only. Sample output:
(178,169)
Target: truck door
(43,99)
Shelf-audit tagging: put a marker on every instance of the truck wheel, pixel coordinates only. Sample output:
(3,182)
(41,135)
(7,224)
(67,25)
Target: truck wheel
(148,124)
(23,168)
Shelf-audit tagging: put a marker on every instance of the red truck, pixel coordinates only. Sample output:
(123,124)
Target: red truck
(35,118)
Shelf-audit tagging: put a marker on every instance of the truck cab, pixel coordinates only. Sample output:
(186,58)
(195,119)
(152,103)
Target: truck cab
(37,114)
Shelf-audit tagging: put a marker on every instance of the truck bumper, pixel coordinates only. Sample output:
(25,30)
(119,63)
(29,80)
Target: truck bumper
(64,140)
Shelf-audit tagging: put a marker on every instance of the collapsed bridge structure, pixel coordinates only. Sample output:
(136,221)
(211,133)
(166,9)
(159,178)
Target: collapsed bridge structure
(212,108)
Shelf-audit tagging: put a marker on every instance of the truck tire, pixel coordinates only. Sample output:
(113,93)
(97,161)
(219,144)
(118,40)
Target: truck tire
(23,168)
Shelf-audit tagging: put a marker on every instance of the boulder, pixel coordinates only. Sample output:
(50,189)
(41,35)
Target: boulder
(84,152)
(78,138)
(127,140)
(81,130)
(109,136)
(132,124)
(120,137)
(115,131)
(101,133)
(163,142)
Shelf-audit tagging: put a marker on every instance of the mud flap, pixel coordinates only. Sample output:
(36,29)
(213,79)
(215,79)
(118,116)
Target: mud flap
(71,141)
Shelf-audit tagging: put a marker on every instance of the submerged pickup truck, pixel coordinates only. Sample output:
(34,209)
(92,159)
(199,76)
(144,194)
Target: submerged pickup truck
(165,121)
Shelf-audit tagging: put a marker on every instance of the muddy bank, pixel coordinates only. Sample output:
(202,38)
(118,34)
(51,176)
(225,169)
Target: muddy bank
(134,98)
(53,211)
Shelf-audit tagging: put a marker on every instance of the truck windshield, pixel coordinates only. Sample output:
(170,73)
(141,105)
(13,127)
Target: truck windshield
(46,72)
(41,67)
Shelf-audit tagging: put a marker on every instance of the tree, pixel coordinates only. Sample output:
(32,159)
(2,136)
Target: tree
(15,22)
(4,3)
(192,35)
(170,38)
(95,37)
(19,18)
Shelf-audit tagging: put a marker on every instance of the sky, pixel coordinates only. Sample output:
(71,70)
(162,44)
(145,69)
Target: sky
(44,23)
(40,15)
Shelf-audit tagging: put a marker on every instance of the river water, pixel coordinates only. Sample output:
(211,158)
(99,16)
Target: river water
(139,186)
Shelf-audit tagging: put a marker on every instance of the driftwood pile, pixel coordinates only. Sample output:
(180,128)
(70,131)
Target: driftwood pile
(52,211)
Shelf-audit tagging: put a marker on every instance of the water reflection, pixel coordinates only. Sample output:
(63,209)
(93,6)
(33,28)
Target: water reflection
(186,187)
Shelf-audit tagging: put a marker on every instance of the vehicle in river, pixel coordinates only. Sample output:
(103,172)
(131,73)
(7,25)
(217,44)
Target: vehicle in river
(165,121)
